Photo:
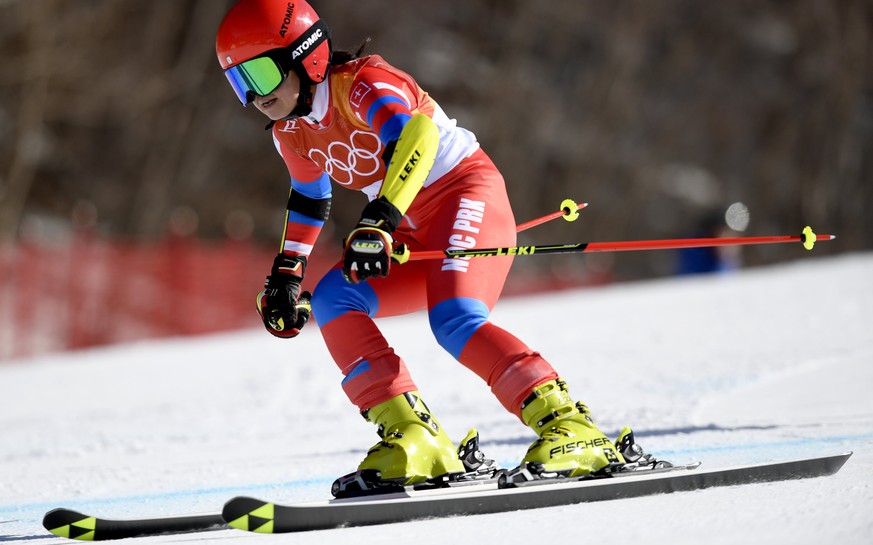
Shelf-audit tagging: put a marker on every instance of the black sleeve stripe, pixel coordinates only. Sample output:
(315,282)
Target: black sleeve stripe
(318,209)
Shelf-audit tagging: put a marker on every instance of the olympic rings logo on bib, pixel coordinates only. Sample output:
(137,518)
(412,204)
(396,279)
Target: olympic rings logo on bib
(343,162)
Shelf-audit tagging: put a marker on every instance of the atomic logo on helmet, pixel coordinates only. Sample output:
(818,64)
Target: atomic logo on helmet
(289,16)
(307,43)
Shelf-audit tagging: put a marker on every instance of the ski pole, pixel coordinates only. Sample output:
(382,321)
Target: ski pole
(569,211)
(807,238)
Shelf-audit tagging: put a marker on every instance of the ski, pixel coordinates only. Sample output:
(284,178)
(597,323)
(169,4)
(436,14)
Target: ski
(260,516)
(74,525)
(484,497)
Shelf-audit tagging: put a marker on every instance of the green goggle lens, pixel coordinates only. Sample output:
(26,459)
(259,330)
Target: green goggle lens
(260,76)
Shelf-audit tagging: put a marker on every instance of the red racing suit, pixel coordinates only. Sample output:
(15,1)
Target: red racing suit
(357,111)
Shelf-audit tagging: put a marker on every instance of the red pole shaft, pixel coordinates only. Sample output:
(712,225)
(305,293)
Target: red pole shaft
(623,246)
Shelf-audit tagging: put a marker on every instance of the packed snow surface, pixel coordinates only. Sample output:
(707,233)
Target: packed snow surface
(766,364)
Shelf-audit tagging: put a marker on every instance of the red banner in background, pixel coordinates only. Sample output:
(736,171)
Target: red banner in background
(93,291)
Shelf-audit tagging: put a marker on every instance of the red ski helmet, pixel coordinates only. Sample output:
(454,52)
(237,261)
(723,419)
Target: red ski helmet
(288,32)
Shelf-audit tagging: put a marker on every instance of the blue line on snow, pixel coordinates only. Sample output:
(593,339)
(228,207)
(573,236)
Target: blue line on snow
(809,442)
(6,511)
(229,491)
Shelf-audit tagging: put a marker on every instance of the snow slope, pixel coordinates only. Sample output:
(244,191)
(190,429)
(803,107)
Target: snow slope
(765,364)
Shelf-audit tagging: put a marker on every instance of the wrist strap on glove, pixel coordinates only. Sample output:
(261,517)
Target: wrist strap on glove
(381,214)
(290,265)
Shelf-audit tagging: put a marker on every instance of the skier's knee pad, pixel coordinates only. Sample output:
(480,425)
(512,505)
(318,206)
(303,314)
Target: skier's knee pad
(334,296)
(454,321)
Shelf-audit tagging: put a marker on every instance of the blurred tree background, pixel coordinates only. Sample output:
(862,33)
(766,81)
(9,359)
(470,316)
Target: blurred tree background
(115,114)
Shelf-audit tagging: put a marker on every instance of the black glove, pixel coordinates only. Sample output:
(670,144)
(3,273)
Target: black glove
(281,305)
(367,252)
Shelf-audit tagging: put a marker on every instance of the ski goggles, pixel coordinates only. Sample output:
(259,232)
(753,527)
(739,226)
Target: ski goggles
(261,76)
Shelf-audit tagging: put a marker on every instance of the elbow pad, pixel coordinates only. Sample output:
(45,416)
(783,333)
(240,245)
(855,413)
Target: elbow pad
(413,157)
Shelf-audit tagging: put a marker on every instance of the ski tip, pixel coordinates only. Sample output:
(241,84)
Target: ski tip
(249,514)
(70,524)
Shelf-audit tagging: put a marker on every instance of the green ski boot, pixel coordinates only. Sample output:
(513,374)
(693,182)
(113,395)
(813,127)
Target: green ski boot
(569,443)
(414,448)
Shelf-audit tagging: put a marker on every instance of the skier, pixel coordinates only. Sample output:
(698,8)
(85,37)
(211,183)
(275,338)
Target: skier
(358,122)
